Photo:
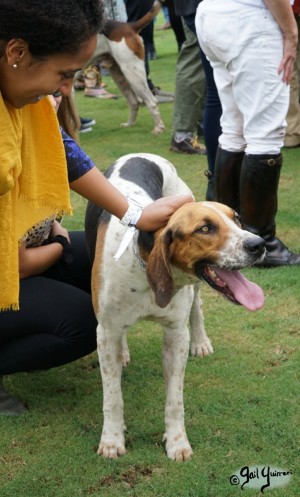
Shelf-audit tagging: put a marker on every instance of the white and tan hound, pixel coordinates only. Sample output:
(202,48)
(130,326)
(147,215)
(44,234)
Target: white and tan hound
(157,278)
(121,50)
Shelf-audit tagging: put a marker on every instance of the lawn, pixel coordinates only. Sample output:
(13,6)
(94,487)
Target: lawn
(242,402)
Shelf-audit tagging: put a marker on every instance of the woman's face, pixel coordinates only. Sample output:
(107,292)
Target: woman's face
(32,79)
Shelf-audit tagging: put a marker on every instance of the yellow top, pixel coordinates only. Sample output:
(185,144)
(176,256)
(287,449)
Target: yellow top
(33,183)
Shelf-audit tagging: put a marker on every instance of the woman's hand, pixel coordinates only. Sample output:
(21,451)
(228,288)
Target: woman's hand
(157,214)
(288,58)
(58,229)
(283,14)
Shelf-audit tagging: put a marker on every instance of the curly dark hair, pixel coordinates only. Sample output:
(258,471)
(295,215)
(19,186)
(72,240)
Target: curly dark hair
(50,26)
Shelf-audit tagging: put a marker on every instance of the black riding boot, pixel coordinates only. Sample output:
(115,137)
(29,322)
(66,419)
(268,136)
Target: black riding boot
(258,198)
(210,185)
(227,178)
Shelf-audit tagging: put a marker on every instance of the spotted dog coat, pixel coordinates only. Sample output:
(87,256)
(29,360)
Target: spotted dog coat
(201,240)
(121,50)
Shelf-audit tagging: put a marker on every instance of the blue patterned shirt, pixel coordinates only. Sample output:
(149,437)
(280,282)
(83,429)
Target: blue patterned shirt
(78,162)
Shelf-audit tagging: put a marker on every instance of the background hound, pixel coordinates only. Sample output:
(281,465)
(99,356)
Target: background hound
(121,50)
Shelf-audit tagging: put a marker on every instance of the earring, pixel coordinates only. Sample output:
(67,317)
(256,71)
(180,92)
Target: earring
(15,66)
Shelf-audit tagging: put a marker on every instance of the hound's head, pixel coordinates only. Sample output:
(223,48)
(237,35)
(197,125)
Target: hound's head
(204,240)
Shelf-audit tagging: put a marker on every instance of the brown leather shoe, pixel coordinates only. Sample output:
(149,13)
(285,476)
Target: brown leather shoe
(188,146)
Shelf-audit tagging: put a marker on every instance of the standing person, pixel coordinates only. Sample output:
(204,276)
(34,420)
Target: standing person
(115,9)
(252,48)
(43,43)
(135,10)
(212,107)
(292,135)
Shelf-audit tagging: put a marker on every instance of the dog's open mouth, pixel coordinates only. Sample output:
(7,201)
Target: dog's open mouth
(234,286)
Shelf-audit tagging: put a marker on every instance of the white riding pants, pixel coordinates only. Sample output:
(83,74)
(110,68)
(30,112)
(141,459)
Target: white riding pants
(244,45)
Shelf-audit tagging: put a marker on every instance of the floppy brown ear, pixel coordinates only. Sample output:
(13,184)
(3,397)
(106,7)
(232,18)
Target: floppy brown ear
(159,272)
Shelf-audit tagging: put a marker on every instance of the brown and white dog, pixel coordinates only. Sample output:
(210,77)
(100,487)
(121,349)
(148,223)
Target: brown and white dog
(121,50)
(157,278)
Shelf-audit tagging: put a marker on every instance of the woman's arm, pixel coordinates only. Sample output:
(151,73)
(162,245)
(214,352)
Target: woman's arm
(94,186)
(36,260)
(282,12)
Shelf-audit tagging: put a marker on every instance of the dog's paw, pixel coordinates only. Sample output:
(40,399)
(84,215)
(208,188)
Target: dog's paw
(202,349)
(126,125)
(111,449)
(158,130)
(178,447)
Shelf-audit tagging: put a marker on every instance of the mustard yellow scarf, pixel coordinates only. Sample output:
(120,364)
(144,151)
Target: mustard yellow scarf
(33,183)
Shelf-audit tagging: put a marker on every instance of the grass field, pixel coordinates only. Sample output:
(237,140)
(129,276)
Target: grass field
(242,402)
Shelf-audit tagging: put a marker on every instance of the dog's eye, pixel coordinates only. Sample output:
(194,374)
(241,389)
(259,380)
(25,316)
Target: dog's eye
(237,219)
(206,228)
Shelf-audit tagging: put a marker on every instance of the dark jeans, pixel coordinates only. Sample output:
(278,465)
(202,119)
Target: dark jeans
(213,109)
(56,323)
(135,10)
(176,23)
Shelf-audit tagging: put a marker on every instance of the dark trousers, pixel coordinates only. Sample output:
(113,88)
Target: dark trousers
(135,10)
(56,323)
(213,109)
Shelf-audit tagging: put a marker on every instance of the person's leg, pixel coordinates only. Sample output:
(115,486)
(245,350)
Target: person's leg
(135,10)
(55,324)
(146,34)
(292,136)
(230,153)
(211,122)
(189,94)
(211,116)
(176,23)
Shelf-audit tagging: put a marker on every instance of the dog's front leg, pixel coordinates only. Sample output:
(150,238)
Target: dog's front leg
(175,354)
(112,443)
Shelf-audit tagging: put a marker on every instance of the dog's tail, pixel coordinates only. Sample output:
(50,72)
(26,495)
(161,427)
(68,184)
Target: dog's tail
(112,29)
(147,18)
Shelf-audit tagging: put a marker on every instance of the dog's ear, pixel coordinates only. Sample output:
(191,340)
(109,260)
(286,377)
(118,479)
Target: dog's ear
(159,272)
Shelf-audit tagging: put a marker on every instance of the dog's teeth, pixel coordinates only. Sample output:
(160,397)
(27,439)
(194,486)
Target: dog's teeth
(213,275)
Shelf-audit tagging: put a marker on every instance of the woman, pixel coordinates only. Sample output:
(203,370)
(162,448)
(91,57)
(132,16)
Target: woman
(251,46)
(43,43)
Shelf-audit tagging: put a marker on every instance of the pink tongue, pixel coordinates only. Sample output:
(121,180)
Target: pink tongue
(246,293)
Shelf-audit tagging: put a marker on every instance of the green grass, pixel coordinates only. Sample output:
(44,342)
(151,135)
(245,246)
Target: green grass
(242,403)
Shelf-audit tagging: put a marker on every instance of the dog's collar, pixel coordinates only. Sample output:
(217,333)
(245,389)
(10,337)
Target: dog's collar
(136,252)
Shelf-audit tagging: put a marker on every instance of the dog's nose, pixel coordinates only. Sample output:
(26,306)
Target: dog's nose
(255,245)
